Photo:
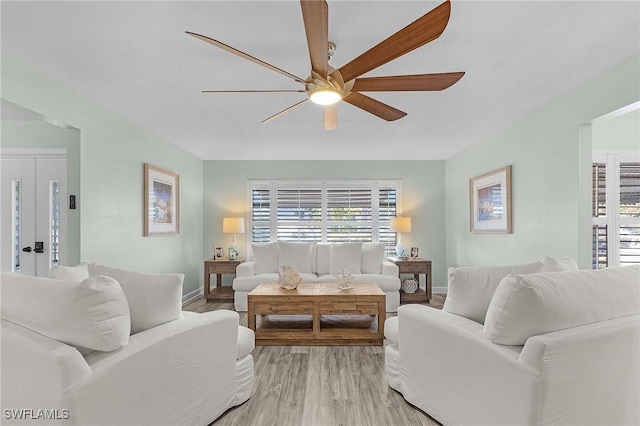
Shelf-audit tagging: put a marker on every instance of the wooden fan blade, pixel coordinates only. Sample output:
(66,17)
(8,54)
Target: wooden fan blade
(330,116)
(253,91)
(407,83)
(315,14)
(284,111)
(368,104)
(244,55)
(418,33)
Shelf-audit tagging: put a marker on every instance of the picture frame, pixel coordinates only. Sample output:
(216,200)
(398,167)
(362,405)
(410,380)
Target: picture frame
(490,202)
(414,252)
(161,201)
(218,253)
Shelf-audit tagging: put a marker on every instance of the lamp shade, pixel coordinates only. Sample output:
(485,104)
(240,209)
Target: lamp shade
(401,224)
(233,225)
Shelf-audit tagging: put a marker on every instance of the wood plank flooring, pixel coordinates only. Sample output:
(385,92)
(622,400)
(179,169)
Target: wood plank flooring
(319,385)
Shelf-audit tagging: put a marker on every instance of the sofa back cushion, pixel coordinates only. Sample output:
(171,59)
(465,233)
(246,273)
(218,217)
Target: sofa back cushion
(551,264)
(296,255)
(266,257)
(323,258)
(471,288)
(372,258)
(346,256)
(91,315)
(153,298)
(529,305)
(70,273)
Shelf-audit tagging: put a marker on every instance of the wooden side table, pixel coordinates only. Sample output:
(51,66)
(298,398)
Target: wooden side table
(415,266)
(219,267)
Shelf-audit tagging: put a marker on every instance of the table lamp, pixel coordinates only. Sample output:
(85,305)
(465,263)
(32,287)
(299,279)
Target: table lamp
(233,225)
(400,225)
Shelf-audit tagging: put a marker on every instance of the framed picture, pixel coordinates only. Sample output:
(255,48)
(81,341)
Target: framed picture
(161,201)
(490,202)
(414,252)
(218,253)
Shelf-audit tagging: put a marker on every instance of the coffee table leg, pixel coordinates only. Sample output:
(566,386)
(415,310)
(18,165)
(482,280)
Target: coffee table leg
(316,320)
(251,317)
(382,314)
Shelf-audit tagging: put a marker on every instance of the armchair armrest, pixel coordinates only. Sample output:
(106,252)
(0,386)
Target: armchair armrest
(37,369)
(390,269)
(587,368)
(246,269)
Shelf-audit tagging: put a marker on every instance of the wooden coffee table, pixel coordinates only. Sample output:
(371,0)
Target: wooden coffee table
(318,314)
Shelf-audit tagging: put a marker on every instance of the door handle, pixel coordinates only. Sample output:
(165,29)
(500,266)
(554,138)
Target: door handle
(39,247)
(26,249)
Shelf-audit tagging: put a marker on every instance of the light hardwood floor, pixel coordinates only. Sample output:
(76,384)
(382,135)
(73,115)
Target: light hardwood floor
(319,385)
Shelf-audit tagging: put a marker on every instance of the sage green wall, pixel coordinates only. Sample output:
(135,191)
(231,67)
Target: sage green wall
(34,134)
(113,152)
(423,198)
(550,183)
(620,133)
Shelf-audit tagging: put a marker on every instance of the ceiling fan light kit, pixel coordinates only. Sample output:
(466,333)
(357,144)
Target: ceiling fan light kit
(325,96)
(327,86)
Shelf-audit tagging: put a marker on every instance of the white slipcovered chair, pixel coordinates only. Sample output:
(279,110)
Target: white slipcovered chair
(114,348)
(513,347)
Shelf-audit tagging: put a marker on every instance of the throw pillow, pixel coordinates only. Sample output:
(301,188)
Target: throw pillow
(153,298)
(534,304)
(471,288)
(91,315)
(70,273)
(266,257)
(556,265)
(296,255)
(372,258)
(346,256)
(323,258)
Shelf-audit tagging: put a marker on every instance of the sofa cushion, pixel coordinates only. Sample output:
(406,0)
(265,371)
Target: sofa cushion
(70,273)
(345,256)
(266,257)
(529,305)
(372,258)
(91,315)
(471,288)
(249,283)
(556,265)
(153,298)
(296,255)
(323,258)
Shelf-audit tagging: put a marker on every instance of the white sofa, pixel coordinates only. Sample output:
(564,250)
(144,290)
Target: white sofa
(318,262)
(69,355)
(558,348)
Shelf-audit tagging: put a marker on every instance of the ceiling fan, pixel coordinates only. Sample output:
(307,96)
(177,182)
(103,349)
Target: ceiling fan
(327,86)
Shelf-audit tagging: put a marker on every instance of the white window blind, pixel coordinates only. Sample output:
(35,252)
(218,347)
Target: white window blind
(333,211)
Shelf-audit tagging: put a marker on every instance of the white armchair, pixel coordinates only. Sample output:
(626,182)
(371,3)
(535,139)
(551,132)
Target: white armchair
(568,353)
(186,370)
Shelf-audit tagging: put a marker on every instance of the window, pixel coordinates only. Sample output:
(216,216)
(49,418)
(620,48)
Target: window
(616,210)
(331,211)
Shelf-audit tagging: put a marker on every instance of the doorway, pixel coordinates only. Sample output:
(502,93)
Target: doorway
(34,214)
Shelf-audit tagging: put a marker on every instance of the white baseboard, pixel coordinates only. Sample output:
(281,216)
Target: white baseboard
(439,289)
(192,295)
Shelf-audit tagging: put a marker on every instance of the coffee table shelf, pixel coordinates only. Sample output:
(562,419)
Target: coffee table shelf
(331,317)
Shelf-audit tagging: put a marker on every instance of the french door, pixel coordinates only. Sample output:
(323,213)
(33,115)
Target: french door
(34,215)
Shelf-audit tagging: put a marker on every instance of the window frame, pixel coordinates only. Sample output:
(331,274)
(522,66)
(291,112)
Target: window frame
(324,223)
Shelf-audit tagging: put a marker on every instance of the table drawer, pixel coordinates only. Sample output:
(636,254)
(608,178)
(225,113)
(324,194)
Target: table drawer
(409,268)
(349,308)
(222,269)
(283,308)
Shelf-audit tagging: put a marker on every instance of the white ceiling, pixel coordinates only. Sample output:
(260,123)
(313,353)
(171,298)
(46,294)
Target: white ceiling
(135,58)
